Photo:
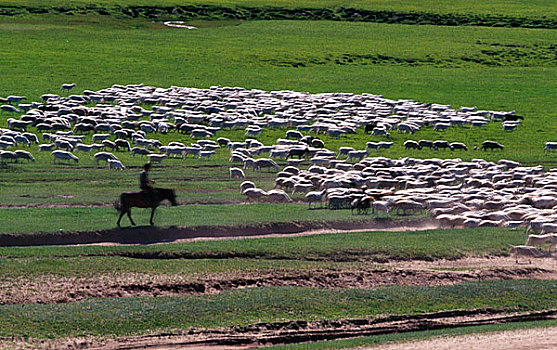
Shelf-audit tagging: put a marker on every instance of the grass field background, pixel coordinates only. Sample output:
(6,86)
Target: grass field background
(491,68)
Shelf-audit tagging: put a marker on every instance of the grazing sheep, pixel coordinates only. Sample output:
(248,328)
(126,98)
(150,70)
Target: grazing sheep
(491,145)
(24,155)
(265,163)
(140,151)
(115,164)
(46,147)
(412,144)
(550,146)
(64,155)
(67,87)
(254,194)
(8,155)
(156,158)
(237,173)
(206,154)
(104,156)
(278,196)
(459,145)
(245,185)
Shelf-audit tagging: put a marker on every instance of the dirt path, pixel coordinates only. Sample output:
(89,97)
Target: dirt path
(153,234)
(526,339)
(59,289)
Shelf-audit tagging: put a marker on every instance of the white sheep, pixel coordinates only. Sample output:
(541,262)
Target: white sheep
(245,185)
(115,164)
(254,194)
(63,155)
(206,154)
(156,158)
(237,173)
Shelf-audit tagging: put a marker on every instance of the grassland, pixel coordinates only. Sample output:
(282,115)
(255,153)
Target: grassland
(492,68)
(125,316)
(425,245)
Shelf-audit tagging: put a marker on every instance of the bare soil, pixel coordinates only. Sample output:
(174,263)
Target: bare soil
(154,234)
(59,289)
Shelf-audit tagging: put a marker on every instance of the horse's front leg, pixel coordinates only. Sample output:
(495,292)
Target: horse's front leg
(152,214)
(120,218)
(130,216)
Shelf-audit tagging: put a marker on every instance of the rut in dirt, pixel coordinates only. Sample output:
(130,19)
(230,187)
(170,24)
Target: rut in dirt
(64,290)
(300,331)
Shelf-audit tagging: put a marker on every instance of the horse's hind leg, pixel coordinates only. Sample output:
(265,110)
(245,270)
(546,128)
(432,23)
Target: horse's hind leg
(130,216)
(152,214)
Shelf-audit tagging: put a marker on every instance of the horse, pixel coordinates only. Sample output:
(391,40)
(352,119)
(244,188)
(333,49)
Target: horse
(143,200)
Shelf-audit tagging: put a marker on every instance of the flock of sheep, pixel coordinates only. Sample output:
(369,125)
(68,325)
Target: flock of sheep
(457,193)
(118,121)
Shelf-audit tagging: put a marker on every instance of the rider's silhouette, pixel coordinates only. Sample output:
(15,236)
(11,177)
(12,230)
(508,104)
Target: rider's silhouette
(146,184)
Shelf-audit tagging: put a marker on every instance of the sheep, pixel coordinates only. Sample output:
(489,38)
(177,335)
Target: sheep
(406,205)
(100,137)
(491,145)
(550,146)
(24,155)
(426,143)
(31,137)
(9,108)
(245,185)
(67,87)
(314,197)
(294,134)
(237,173)
(458,145)
(63,155)
(46,147)
(359,155)
(412,144)
(206,154)
(83,148)
(442,126)
(378,206)
(140,151)
(156,158)
(380,132)
(442,144)
(104,156)
(64,144)
(524,250)
(265,163)
(302,187)
(254,194)
(278,196)
(115,164)
(541,240)
(8,155)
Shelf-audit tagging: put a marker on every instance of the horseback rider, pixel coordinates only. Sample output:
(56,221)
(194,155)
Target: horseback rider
(146,184)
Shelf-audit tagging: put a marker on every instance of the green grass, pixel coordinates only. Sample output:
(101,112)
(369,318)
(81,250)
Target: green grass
(429,244)
(492,68)
(138,315)
(33,220)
